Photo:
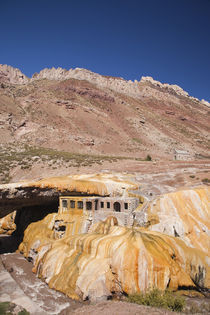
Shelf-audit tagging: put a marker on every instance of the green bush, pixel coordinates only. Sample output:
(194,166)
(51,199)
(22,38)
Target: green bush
(206,181)
(137,140)
(157,298)
(148,158)
(4,307)
(7,308)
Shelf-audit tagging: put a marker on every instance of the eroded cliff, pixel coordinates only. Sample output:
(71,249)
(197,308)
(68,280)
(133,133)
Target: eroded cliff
(7,224)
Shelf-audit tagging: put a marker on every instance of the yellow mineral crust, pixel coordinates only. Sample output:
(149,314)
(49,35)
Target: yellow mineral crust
(7,224)
(91,184)
(112,258)
(185,214)
(44,231)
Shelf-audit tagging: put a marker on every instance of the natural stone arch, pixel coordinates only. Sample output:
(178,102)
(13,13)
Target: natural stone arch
(117,206)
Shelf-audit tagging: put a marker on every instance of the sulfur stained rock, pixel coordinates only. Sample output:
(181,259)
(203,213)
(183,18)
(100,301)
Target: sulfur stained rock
(7,224)
(184,214)
(92,184)
(111,259)
(47,191)
(114,259)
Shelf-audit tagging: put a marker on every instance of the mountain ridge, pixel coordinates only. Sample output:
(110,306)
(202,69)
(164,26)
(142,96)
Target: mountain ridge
(15,76)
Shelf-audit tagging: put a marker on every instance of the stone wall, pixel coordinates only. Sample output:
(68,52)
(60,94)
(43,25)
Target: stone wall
(100,208)
(124,219)
(181,155)
(121,208)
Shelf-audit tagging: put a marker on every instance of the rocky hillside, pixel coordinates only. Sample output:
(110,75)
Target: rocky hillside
(81,111)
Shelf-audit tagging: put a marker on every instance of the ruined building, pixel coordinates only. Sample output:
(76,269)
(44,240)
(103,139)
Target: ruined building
(99,208)
(181,155)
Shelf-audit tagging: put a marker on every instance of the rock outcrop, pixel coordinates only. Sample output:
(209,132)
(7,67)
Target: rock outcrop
(46,191)
(183,214)
(12,75)
(112,259)
(177,89)
(7,224)
(166,248)
(205,102)
(117,84)
(129,87)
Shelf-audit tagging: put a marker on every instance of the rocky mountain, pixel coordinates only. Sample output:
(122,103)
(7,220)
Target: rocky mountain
(83,112)
(120,85)
(12,75)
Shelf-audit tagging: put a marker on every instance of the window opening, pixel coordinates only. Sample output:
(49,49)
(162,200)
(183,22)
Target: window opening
(96,204)
(117,207)
(64,203)
(80,204)
(72,204)
(89,205)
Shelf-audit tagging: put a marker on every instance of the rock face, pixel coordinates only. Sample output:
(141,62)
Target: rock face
(34,200)
(183,214)
(177,89)
(7,224)
(117,84)
(46,191)
(112,259)
(205,102)
(165,248)
(12,75)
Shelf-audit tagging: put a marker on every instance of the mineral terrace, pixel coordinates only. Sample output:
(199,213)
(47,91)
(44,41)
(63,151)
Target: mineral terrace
(106,238)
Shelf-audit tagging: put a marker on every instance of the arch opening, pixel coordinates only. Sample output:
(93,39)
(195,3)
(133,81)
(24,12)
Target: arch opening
(117,206)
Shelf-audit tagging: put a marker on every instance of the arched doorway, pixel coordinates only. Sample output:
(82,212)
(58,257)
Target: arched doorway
(117,207)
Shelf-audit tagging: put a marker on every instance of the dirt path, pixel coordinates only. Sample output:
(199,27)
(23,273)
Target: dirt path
(10,291)
(119,308)
(19,285)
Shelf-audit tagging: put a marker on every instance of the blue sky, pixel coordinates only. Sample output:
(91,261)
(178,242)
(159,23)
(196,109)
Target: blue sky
(166,39)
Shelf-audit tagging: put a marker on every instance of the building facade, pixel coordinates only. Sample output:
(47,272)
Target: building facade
(99,208)
(181,155)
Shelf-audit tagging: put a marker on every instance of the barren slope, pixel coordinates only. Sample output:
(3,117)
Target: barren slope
(77,115)
(79,111)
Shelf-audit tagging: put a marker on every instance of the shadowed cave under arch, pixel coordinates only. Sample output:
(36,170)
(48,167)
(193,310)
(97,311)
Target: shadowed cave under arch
(31,204)
(24,217)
